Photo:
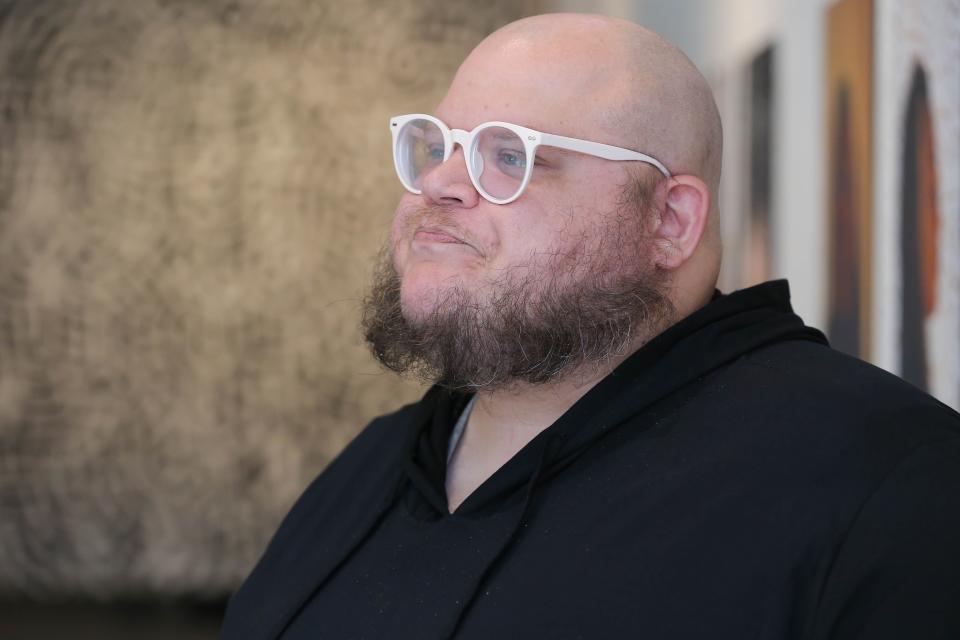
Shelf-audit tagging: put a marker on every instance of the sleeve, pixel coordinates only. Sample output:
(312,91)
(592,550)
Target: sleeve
(897,572)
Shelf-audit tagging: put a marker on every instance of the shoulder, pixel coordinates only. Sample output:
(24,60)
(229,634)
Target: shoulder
(867,462)
(382,438)
(366,460)
(896,572)
(811,423)
(362,476)
(842,395)
(326,521)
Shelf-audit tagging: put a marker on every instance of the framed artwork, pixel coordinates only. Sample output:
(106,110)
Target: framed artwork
(918,193)
(919,223)
(849,96)
(758,231)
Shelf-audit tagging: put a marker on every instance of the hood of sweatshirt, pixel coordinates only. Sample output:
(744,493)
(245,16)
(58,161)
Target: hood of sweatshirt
(728,327)
(385,468)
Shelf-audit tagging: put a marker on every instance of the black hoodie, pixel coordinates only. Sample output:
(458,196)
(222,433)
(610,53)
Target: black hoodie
(734,478)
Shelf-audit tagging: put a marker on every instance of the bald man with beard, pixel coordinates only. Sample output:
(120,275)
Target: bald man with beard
(611,447)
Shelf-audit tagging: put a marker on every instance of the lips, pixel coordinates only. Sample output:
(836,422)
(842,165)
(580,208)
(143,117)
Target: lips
(437,234)
(434,235)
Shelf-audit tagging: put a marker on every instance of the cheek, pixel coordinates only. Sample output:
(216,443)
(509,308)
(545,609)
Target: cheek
(399,237)
(402,217)
(558,220)
(586,233)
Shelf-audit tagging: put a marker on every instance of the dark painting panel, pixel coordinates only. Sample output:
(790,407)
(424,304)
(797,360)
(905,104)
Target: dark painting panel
(849,165)
(846,310)
(762,128)
(919,225)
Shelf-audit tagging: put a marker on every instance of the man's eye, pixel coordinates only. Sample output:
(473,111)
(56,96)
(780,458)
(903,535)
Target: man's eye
(435,152)
(513,159)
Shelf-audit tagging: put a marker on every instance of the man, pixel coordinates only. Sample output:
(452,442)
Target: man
(612,448)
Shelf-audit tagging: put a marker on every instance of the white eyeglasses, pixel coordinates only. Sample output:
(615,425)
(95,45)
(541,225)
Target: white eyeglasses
(499,155)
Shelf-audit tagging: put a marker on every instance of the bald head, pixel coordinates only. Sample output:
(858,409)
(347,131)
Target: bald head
(635,84)
(607,80)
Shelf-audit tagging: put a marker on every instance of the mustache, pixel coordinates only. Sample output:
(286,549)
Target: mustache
(432,216)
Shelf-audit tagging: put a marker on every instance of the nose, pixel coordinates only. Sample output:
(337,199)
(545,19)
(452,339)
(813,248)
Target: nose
(449,184)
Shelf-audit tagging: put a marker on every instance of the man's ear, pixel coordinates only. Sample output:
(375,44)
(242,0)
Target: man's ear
(683,220)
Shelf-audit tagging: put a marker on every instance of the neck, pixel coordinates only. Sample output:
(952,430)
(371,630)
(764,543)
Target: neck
(517,412)
(523,408)
(505,419)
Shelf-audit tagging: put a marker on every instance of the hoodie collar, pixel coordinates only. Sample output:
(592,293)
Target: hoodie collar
(726,328)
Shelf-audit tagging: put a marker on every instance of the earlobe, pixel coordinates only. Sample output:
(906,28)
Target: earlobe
(683,220)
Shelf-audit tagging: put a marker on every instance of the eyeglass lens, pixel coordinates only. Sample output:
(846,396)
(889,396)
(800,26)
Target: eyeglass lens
(419,149)
(498,160)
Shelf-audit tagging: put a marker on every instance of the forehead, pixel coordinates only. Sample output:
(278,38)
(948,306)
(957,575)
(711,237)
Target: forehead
(512,83)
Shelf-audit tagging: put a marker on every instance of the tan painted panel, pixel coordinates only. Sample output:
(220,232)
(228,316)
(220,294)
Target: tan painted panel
(191,196)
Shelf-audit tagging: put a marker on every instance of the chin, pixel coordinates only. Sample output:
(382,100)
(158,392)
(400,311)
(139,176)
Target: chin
(419,306)
(425,288)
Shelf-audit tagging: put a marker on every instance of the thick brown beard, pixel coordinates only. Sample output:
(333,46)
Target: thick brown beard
(530,331)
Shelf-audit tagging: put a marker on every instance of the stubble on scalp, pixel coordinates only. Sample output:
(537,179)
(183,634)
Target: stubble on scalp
(578,309)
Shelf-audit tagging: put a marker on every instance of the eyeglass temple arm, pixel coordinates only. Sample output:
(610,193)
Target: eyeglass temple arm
(600,150)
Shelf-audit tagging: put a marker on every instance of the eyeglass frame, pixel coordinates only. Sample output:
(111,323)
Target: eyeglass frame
(532,139)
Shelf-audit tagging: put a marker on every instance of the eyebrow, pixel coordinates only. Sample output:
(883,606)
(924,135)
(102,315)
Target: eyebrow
(507,135)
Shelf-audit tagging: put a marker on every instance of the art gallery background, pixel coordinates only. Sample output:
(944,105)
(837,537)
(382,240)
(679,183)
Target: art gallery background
(192,195)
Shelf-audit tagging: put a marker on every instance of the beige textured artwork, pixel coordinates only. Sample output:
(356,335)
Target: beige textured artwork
(191,195)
